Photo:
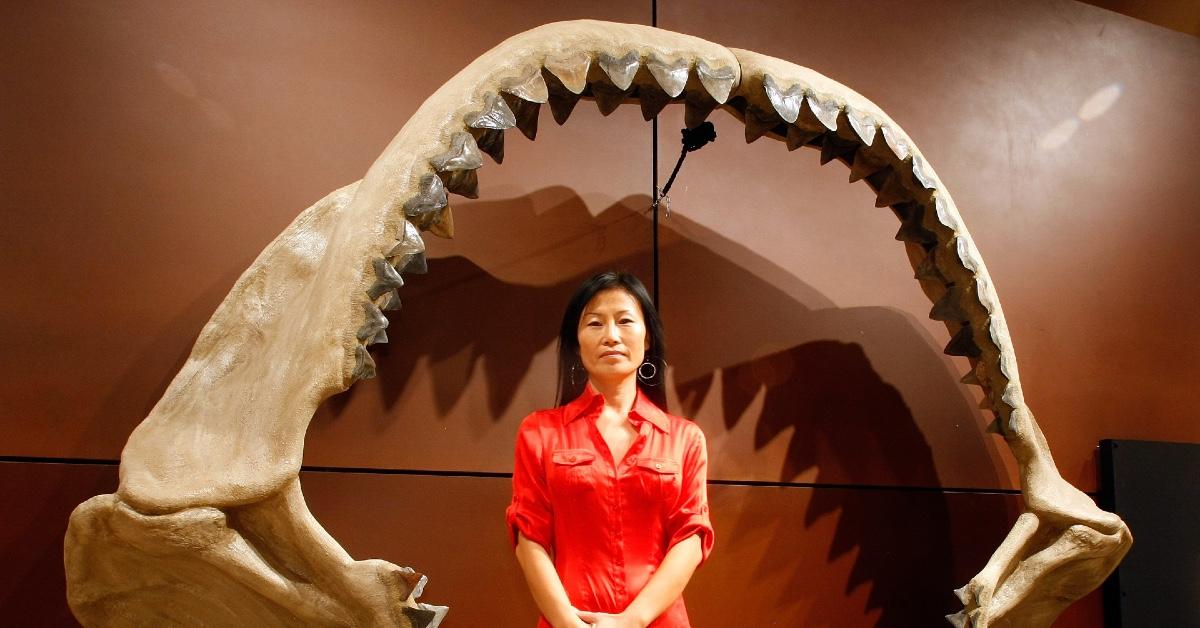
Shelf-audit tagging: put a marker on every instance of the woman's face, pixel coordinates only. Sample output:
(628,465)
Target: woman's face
(612,335)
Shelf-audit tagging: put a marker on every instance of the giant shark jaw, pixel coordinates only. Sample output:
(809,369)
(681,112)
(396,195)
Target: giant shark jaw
(210,519)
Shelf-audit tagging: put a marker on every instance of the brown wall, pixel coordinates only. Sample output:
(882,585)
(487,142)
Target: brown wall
(151,151)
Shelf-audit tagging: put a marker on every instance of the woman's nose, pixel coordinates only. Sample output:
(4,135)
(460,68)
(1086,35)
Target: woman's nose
(610,334)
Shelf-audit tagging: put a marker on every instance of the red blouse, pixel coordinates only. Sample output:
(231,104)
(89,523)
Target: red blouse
(608,525)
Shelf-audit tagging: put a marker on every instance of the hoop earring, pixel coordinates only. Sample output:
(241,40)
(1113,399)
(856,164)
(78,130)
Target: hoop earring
(571,373)
(647,378)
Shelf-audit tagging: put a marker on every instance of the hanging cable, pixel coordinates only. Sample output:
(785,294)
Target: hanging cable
(693,140)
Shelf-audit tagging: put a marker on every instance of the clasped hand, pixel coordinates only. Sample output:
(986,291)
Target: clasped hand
(605,620)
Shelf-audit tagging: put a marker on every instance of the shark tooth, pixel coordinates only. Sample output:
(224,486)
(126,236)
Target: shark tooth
(386,279)
(963,344)
(364,365)
(696,110)
(494,115)
(985,292)
(911,229)
(826,110)
(491,142)
(607,98)
(834,147)
(921,171)
(413,263)
(561,104)
(531,87)
(865,164)
(967,253)
(463,154)
(928,269)
(462,182)
(1013,397)
(961,594)
(863,124)
(443,223)
(718,81)
(418,587)
(619,70)
(526,113)
(424,615)
(391,303)
(890,190)
(944,214)
(412,582)
(409,241)
(431,197)
(672,77)
(653,101)
(958,620)
(897,142)
(797,137)
(571,70)
(375,321)
(948,309)
(759,122)
(380,338)
(786,102)
(971,378)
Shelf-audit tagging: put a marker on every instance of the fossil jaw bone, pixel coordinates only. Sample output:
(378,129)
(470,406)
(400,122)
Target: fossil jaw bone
(296,326)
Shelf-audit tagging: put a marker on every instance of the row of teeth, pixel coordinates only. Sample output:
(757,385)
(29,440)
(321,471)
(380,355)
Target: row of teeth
(782,102)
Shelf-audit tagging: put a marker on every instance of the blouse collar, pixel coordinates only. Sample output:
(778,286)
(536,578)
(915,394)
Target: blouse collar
(589,402)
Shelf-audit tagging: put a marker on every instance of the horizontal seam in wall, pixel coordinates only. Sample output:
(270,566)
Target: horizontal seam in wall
(500,474)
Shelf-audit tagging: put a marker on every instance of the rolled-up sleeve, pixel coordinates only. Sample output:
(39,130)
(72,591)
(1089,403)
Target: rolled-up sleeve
(690,513)
(530,512)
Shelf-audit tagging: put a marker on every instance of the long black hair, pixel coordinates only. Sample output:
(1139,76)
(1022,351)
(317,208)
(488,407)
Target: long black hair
(571,375)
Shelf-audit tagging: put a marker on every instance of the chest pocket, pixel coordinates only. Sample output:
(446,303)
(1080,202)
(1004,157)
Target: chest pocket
(572,470)
(659,478)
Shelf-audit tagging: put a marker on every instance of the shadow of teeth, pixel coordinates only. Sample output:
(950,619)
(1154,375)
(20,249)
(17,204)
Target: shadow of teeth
(775,99)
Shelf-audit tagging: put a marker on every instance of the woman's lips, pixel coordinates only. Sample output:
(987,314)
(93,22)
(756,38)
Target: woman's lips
(611,353)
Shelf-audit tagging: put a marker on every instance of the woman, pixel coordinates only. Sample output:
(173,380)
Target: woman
(609,514)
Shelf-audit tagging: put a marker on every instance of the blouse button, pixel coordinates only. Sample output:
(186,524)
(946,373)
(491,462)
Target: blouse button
(570,458)
(658,465)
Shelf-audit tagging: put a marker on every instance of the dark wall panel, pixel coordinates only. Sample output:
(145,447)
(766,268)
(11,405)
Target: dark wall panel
(36,501)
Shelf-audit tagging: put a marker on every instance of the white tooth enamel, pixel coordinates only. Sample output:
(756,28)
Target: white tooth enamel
(672,77)
(1012,394)
(431,197)
(966,252)
(409,241)
(897,142)
(463,155)
(825,109)
(985,292)
(945,213)
(717,81)
(571,70)
(786,102)
(495,115)
(620,71)
(863,124)
(922,173)
(373,322)
(531,87)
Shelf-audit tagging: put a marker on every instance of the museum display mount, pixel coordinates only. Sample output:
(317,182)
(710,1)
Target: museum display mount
(209,524)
